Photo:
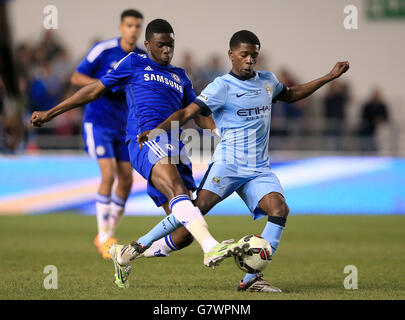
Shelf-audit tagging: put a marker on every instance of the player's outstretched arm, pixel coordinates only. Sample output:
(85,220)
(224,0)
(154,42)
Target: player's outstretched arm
(181,116)
(86,94)
(81,80)
(302,91)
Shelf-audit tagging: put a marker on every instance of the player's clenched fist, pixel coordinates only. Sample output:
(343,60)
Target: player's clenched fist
(38,118)
(339,69)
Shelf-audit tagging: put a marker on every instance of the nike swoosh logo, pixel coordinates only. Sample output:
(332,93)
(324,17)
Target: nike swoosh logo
(240,95)
(168,219)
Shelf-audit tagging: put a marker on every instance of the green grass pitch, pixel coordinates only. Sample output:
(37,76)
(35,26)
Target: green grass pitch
(309,263)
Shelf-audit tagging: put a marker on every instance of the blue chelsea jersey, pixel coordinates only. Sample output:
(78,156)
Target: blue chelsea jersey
(153,92)
(241,110)
(111,110)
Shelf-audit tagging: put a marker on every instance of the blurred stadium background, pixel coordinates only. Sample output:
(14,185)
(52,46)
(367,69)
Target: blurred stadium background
(342,154)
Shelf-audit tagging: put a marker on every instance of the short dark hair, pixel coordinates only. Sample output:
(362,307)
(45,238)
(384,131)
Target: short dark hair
(131,13)
(157,26)
(243,36)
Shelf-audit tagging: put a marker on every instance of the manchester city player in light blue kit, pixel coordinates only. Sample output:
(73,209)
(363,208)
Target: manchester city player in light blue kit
(104,124)
(240,103)
(154,90)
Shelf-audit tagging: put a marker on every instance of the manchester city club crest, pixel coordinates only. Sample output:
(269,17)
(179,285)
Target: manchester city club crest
(268,89)
(216,180)
(175,77)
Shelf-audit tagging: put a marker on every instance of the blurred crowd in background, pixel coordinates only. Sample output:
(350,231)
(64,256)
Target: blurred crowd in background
(44,70)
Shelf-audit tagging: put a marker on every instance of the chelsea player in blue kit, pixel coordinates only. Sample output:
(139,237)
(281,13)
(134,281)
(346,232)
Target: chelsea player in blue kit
(240,103)
(104,124)
(155,90)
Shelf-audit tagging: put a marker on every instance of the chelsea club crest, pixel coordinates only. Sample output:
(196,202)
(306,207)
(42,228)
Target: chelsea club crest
(175,77)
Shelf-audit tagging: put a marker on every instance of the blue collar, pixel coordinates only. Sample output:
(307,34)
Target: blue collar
(242,78)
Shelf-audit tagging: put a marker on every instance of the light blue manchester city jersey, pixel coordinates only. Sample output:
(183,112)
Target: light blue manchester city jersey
(241,110)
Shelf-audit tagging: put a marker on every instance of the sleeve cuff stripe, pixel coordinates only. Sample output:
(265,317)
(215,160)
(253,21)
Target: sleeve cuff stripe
(102,81)
(205,110)
(200,103)
(283,88)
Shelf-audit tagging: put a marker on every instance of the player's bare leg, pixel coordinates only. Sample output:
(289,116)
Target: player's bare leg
(274,205)
(181,238)
(166,178)
(206,200)
(108,170)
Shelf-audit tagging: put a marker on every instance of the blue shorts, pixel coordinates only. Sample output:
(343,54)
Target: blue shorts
(143,160)
(252,184)
(104,143)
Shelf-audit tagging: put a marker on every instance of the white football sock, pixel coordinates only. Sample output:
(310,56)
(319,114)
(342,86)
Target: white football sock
(191,218)
(208,244)
(160,248)
(117,207)
(103,213)
(114,219)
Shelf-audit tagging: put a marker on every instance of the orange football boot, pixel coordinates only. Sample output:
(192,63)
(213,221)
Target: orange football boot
(105,247)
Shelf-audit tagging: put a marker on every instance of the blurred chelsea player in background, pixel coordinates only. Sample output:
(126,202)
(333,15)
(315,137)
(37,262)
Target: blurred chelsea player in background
(104,124)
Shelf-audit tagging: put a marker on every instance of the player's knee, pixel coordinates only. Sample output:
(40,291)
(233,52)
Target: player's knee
(107,179)
(203,205)
(125,182)
(280,210)
(175,187)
